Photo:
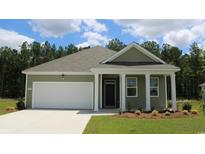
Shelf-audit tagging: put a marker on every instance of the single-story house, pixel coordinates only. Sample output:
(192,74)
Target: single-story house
(203,90)
(100,78)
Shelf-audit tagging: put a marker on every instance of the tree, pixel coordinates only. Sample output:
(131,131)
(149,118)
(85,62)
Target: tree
(60,52)
(47,52)
(196,64)
(171,54)
(115,44)
(71,48)
(152,46)
(36,53)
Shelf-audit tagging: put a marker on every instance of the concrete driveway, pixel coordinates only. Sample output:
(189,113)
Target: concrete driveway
(45,121)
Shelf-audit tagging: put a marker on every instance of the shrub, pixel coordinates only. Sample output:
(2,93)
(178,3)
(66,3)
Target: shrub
(186,106)
(154,112)
(137,112)
(169,105)
(185,112)
(167,113)
(128,107)
(194,111)
(20,105)
(119,111)
(10,108)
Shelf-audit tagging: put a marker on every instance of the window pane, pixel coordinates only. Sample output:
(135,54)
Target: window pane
(153,92)
(131,82)
(153,82)
(131,91)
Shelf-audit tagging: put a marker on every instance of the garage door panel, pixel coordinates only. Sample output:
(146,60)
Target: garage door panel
(73,95)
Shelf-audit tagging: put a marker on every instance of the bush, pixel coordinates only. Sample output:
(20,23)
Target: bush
(169,105)
(185,112)
(10,108)
(194,111)
(20,105)
(137,112)
(167,113)
(155,112)
(119,111)
(186,106)
(128,107)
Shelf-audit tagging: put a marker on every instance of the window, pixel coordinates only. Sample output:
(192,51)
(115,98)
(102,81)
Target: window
(132,90)
(154,87)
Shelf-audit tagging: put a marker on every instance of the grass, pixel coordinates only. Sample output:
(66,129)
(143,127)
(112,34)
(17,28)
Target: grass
(4,103)
(116,125)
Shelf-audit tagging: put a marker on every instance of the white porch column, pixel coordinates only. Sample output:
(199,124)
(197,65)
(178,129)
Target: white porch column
(123,96)
(165,88)
(173,91)
(101,91)
(147,83)
(120,89)
(96,92)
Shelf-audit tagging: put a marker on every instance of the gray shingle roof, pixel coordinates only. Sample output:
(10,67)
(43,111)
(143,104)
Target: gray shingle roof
(81,61)
(84,60)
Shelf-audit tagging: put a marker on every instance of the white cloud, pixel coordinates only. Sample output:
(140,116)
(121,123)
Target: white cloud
(84,44)
(12,39)
(61,27)
(54,27)
(175,32)
(91,24)
(93,39)
(180,38)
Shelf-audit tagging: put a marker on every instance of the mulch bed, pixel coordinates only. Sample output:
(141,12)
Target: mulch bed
(178,114)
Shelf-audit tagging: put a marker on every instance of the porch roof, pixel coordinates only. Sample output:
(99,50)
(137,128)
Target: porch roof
(137,69)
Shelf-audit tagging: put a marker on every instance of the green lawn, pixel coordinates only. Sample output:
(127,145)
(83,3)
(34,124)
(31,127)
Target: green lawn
(4,103)
(116,125)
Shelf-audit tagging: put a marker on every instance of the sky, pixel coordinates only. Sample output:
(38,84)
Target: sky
(92,32)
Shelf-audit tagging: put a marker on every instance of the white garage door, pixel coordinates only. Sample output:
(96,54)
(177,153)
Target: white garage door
(68,95)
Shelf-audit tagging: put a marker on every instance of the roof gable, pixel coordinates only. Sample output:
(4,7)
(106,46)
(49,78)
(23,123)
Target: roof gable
(134,53)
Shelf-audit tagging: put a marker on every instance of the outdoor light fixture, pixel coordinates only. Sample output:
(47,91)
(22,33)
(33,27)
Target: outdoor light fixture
(63,76)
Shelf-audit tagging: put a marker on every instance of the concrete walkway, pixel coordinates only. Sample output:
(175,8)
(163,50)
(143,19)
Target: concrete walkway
(46,121)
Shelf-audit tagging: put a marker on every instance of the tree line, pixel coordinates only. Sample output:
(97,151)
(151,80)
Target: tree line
(12,62)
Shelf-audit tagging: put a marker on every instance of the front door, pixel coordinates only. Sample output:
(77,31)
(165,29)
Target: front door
(110,93)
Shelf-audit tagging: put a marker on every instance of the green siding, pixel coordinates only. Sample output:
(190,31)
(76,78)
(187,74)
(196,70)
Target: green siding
(53,78)
(133,55)
(135,102)
(140,101)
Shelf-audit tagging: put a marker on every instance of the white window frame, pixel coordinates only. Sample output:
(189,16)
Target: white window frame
(136,95)
(154,87)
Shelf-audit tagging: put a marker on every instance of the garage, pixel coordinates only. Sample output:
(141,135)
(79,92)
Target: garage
(62,95)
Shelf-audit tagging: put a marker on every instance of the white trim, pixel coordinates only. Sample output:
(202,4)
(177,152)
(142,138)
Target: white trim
(123,108)
(133,71)
(165,86)
(173,89)
(136,86)
(120,90)
(26,85)
(104,102)
(101,91)
(96,92)
(147,85)
(57,73)
(33,94)
(35,82)
(144,51)
(155,87)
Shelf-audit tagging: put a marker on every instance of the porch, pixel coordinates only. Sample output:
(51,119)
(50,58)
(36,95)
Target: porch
(117,90)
